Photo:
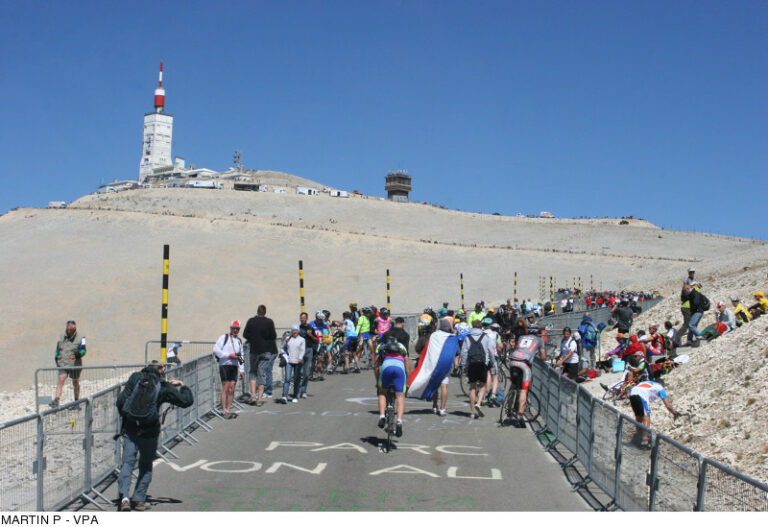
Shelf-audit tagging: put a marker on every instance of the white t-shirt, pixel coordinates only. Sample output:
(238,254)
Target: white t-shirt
(570,345)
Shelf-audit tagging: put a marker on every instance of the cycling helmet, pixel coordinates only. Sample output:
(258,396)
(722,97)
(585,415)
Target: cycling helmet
(327,314)
(366,310)
(487,321)
(495,325)
(390,345)
(320,315)
(384,311)
(462,316)
(534,329)
(490,310)
(428,309)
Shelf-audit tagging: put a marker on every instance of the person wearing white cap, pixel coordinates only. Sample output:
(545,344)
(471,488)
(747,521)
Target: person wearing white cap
(293,351)
(690,280)
(229,350)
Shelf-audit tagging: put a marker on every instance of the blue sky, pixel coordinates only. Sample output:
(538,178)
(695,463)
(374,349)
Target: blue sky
(609,108)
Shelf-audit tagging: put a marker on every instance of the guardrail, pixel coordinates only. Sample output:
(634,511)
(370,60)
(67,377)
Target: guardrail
(667,476)
(57,456)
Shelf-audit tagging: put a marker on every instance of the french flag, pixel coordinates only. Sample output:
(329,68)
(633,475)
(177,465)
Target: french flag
(434,364)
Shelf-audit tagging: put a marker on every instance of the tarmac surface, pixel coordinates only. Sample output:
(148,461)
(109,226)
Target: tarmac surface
(325,453)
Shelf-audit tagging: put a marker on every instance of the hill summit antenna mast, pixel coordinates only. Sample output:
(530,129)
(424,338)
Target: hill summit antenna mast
(158,134)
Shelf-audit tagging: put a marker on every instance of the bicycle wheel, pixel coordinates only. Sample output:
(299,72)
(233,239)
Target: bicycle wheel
(532,407)
(502,375)
(509,406)
(464,384)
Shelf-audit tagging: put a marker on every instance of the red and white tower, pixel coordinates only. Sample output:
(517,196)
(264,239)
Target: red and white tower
(158,134)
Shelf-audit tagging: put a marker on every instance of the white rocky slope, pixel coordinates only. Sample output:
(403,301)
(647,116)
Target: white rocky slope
(724,385)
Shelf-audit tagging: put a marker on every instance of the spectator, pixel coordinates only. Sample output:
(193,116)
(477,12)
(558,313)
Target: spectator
(476,352)
(623,316)
(697,303)
(758,309)
(691,278)
(741,313)
(229,351)
(443,311)
(725,316)
(713,331)
(70,350)
(172,354)
(569,355)
(294,349)
(260,334)
(672,338)
(641,397)
(143,393)
(589,339)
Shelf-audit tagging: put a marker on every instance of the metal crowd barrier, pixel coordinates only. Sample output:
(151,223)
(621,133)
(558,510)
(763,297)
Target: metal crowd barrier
(93,379)
(60,455)
(665,476)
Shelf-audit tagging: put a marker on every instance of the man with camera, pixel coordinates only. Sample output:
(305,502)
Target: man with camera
(139,406)
(229,351)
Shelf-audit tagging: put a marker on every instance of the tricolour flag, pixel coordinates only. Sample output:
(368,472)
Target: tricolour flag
(434,364)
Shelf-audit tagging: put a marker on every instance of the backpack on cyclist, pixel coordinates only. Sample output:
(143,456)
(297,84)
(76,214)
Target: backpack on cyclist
(476,352)
(141,405)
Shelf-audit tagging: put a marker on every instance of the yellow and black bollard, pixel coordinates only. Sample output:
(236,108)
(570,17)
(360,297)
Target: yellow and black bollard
(461,278)
(389,304)
(515,295)
(301,285)
(164,312)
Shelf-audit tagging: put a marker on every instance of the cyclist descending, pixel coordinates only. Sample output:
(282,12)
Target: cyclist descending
(392,369)
(520,365)
(363,331)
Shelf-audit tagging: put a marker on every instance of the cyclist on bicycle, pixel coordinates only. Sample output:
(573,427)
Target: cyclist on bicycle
(320,328)
(491,329)
(520,364)
(350,342)
(363,331)
(383,322)
(392,369)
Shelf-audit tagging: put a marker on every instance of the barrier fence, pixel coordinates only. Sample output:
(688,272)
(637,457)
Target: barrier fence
(50,459)
(665,476)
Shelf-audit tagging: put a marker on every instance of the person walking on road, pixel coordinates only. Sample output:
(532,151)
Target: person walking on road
(70,350)
(229,350)
(139,406)
(260,334)
(476,352)
(294,349)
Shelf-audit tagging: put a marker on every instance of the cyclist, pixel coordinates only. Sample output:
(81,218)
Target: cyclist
(461,330)
(477,314)
(641,397)
(320,329)
(491,329)
(383,322)
(392,369)
(363,331)
(350,342)
(520,365)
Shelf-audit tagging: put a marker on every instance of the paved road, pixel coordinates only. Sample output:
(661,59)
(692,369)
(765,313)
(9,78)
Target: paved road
(324,453)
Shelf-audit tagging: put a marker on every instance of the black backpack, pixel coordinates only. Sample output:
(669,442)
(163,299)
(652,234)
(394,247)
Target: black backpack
(141,405)
(705,305)
(476,353)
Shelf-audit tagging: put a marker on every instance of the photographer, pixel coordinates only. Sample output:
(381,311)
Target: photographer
(229,351)
(139,406)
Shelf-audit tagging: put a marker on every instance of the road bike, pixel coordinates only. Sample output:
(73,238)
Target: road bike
(336,353)
(510,404)
(390,421)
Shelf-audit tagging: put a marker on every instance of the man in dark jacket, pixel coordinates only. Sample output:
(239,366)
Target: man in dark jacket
(624,315)
(141,439)
(398,332)
(260,334)
(696,301)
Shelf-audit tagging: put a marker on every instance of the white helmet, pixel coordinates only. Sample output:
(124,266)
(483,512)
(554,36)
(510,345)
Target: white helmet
(320,315)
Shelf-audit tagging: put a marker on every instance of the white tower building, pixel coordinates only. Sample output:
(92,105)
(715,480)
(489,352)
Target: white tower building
(158,133)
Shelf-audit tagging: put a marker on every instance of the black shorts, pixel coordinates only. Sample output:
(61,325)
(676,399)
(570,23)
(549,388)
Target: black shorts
(74,374)
(228,373)
(571,370)
(477,372)
(637,406)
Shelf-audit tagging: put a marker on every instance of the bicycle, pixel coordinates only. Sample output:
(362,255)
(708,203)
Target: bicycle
(336,354)
(509,406)
(390,421)
(620,390)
